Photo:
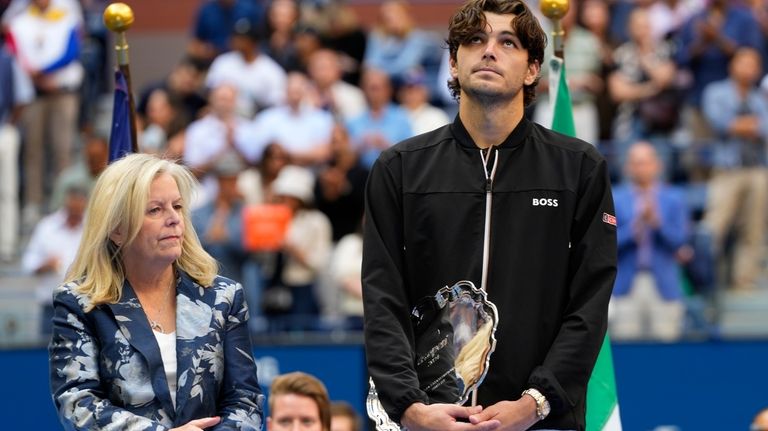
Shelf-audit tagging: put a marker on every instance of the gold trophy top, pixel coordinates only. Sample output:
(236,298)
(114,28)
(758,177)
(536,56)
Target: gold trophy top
(554,9)
(118,17)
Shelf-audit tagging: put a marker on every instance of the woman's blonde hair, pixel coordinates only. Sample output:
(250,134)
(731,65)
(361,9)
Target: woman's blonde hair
(119,200)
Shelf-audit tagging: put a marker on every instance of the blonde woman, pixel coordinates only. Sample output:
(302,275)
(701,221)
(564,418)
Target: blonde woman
(146,336)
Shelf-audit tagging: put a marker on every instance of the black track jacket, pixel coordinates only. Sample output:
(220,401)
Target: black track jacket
(552,260)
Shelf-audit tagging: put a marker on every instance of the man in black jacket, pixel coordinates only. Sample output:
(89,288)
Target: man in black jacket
(499,200)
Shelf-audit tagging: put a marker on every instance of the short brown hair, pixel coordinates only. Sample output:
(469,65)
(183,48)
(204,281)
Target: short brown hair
(298,383)
(470,19)
(343,409)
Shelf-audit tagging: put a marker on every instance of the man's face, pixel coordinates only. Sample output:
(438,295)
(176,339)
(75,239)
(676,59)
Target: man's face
(223,100)
(96,155)
(746,66)
(493,65)
(643,165)
(377,89)
(242,44)
(324,68)
(294,412)
(296,88)
(74,205)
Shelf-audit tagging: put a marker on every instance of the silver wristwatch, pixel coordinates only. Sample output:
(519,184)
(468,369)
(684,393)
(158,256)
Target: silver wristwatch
(542,405)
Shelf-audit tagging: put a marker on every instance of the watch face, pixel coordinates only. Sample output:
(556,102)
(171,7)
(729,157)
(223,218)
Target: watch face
(545,408)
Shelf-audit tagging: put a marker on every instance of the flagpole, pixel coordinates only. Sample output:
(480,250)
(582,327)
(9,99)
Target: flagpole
(118,17)
(556,10)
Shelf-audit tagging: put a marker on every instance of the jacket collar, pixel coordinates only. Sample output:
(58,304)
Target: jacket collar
(515,138)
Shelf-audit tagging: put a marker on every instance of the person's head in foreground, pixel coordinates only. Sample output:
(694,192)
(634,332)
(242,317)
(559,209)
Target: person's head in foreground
(298,401)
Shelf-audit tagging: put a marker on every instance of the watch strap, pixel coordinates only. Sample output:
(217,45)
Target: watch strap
(542,405)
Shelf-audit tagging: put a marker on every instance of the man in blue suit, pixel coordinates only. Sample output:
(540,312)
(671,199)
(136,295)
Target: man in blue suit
(653,222)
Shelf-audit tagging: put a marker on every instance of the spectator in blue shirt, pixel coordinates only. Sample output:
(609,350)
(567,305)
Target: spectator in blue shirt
(383,124)
(738,188)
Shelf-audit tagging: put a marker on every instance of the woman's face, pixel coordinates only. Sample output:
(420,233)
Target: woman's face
(160,237)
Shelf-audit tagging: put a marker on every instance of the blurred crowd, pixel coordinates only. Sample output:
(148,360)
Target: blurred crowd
(281,107)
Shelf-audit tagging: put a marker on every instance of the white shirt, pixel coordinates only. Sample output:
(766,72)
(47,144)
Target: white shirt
(52,238)
(297,132)
(346,264)
(310,232)
(260,82)
(427,118)
(204,140)
(17,7)
(348,100)
(167,345)
(43,39)
(664,19)
(207,137)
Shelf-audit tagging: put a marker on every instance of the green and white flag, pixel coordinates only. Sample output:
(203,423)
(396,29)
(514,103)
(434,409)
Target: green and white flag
(560,102)
(602,402)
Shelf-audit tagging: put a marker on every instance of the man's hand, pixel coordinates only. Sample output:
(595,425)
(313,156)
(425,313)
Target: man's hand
(746,127)
(443,417)
(512,415)
(649,214)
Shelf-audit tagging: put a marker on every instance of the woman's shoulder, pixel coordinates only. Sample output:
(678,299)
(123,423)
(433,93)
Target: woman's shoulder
(223,283)
(70,292)
(220,285)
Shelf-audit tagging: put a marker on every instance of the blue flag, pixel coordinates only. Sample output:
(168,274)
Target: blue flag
(120,137)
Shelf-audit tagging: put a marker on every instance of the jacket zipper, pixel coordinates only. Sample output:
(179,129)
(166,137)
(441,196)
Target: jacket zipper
(489,176)
(487,228)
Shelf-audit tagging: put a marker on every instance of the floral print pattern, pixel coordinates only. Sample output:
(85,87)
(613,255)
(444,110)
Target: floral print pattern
(107,371)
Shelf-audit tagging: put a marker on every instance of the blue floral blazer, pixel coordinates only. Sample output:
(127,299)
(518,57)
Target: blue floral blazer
(107,372)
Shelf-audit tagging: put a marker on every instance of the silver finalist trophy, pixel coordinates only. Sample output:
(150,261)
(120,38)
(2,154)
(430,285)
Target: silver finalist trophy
(455,336)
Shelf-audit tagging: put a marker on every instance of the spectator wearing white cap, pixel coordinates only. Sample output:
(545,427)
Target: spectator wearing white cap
(306,249)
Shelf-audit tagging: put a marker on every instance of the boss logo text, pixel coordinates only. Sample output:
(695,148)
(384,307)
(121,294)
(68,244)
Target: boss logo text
(544,202)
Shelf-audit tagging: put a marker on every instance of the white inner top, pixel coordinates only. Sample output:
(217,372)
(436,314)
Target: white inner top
(167,344)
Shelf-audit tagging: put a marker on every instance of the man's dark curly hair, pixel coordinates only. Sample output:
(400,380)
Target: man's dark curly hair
(470,19)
